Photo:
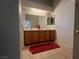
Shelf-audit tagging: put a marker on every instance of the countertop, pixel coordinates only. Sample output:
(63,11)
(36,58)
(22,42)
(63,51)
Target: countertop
(35,29)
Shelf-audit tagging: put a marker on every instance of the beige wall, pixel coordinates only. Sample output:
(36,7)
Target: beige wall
(64,18)
(35,11)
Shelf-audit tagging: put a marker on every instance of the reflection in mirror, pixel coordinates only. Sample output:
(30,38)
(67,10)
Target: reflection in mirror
(34,21)
(50,20)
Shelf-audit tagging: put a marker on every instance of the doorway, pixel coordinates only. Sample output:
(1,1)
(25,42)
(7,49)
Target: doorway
(64,25)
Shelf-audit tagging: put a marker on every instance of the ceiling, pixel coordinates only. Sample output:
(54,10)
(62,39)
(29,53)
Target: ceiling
(52,4)
(45,2)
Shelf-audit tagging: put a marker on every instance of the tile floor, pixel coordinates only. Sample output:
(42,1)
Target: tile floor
(59,53)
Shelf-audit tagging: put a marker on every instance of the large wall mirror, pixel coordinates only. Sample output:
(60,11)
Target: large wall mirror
(37,21)
(34,21)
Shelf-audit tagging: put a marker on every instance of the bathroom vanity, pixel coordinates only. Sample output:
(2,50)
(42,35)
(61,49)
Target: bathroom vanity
(39,36)
(38,29)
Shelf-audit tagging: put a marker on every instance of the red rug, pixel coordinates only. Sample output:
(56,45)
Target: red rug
(43,47)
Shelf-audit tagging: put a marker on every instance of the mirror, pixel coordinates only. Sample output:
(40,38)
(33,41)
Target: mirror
(34,21)
(50,20)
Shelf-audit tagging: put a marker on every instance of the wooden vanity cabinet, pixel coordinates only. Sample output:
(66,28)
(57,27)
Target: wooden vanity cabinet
(42,36)
(27,37)
(53,35)
(39,36)
(35,37)
(48,34)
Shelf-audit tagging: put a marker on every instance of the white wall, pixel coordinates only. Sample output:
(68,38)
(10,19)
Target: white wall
(64,18)
(35,11)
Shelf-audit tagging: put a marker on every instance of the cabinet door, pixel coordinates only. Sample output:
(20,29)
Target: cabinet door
(42,36)
(48,37)
(35,37)
(53,35)
(27,37)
